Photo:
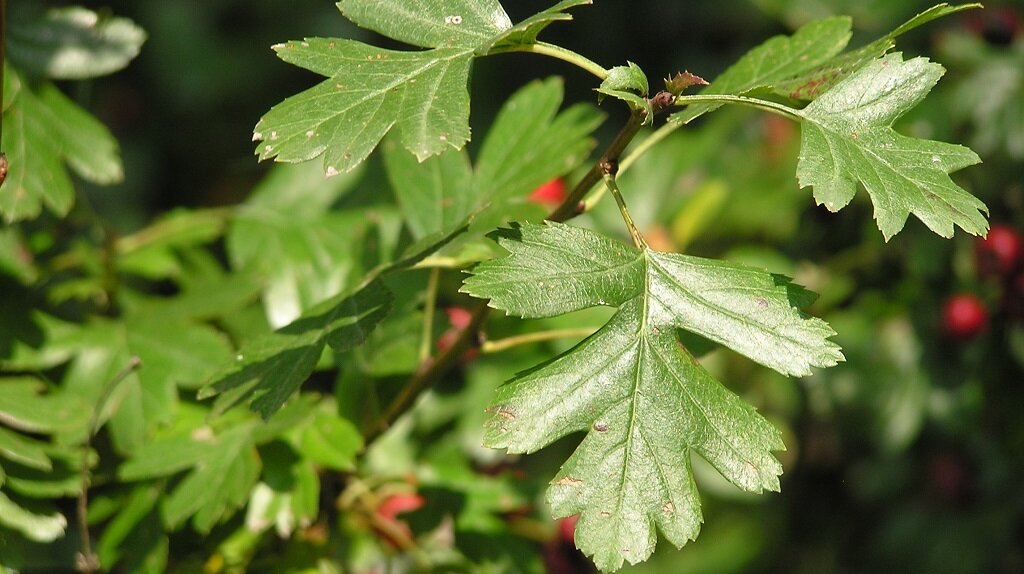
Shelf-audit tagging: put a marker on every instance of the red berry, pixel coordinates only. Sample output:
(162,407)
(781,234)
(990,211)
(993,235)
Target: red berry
(552,192)
(1000,252)
(567,528)
(397,504)
(458,317)
(964,316)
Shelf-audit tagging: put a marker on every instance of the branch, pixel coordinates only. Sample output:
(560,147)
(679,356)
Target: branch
(555,52)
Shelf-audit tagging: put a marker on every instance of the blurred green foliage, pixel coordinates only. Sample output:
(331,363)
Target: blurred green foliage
(907,458)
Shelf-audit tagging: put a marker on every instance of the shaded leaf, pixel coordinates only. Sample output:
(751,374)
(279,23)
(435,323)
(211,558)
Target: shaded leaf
(305,251)
(436,194)
(331,441)
(644,400)
(219,485)
(269,369)
(529,143)
(38,527)
(87,145)
(171,352)
(808,85)
(24,407)
(775,60)
(36,175)
(23,450)
(74,43)
(847,138)
(41,133)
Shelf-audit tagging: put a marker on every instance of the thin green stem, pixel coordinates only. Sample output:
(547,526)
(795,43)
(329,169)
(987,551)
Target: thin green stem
(667,128)
(763,105)
(427,338)
(86,561)
(613,186)
(557,52)
(507,343)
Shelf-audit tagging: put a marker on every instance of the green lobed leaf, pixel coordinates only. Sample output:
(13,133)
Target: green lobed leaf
(217,487)
(423,95)
(172,352)
(644,401)
(810,84)
(42,132)
(628,78)
(434,195)
(221,462)
(36,175)
(331,441)
(304,250)
(24,407)
(23,450)
(847,137)
(135,529)
(430,23)
(629,84)
(74,43)
(87,145)
(526,32)
(529,143)
(38,527)
(809,62)
(777,59)
(62,478)
(269,369)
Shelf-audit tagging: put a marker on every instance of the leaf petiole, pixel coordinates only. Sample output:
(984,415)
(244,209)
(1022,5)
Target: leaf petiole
(427,337)
(557,52)
(763,105)
(613,186)
(507,343)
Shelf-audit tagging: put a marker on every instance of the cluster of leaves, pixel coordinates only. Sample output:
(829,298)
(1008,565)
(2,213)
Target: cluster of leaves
(332,280)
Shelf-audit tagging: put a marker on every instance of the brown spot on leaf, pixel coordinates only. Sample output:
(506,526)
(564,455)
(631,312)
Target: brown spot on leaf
(605,514)
(601,426)
(668,507)
(502,411)
(568,481)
